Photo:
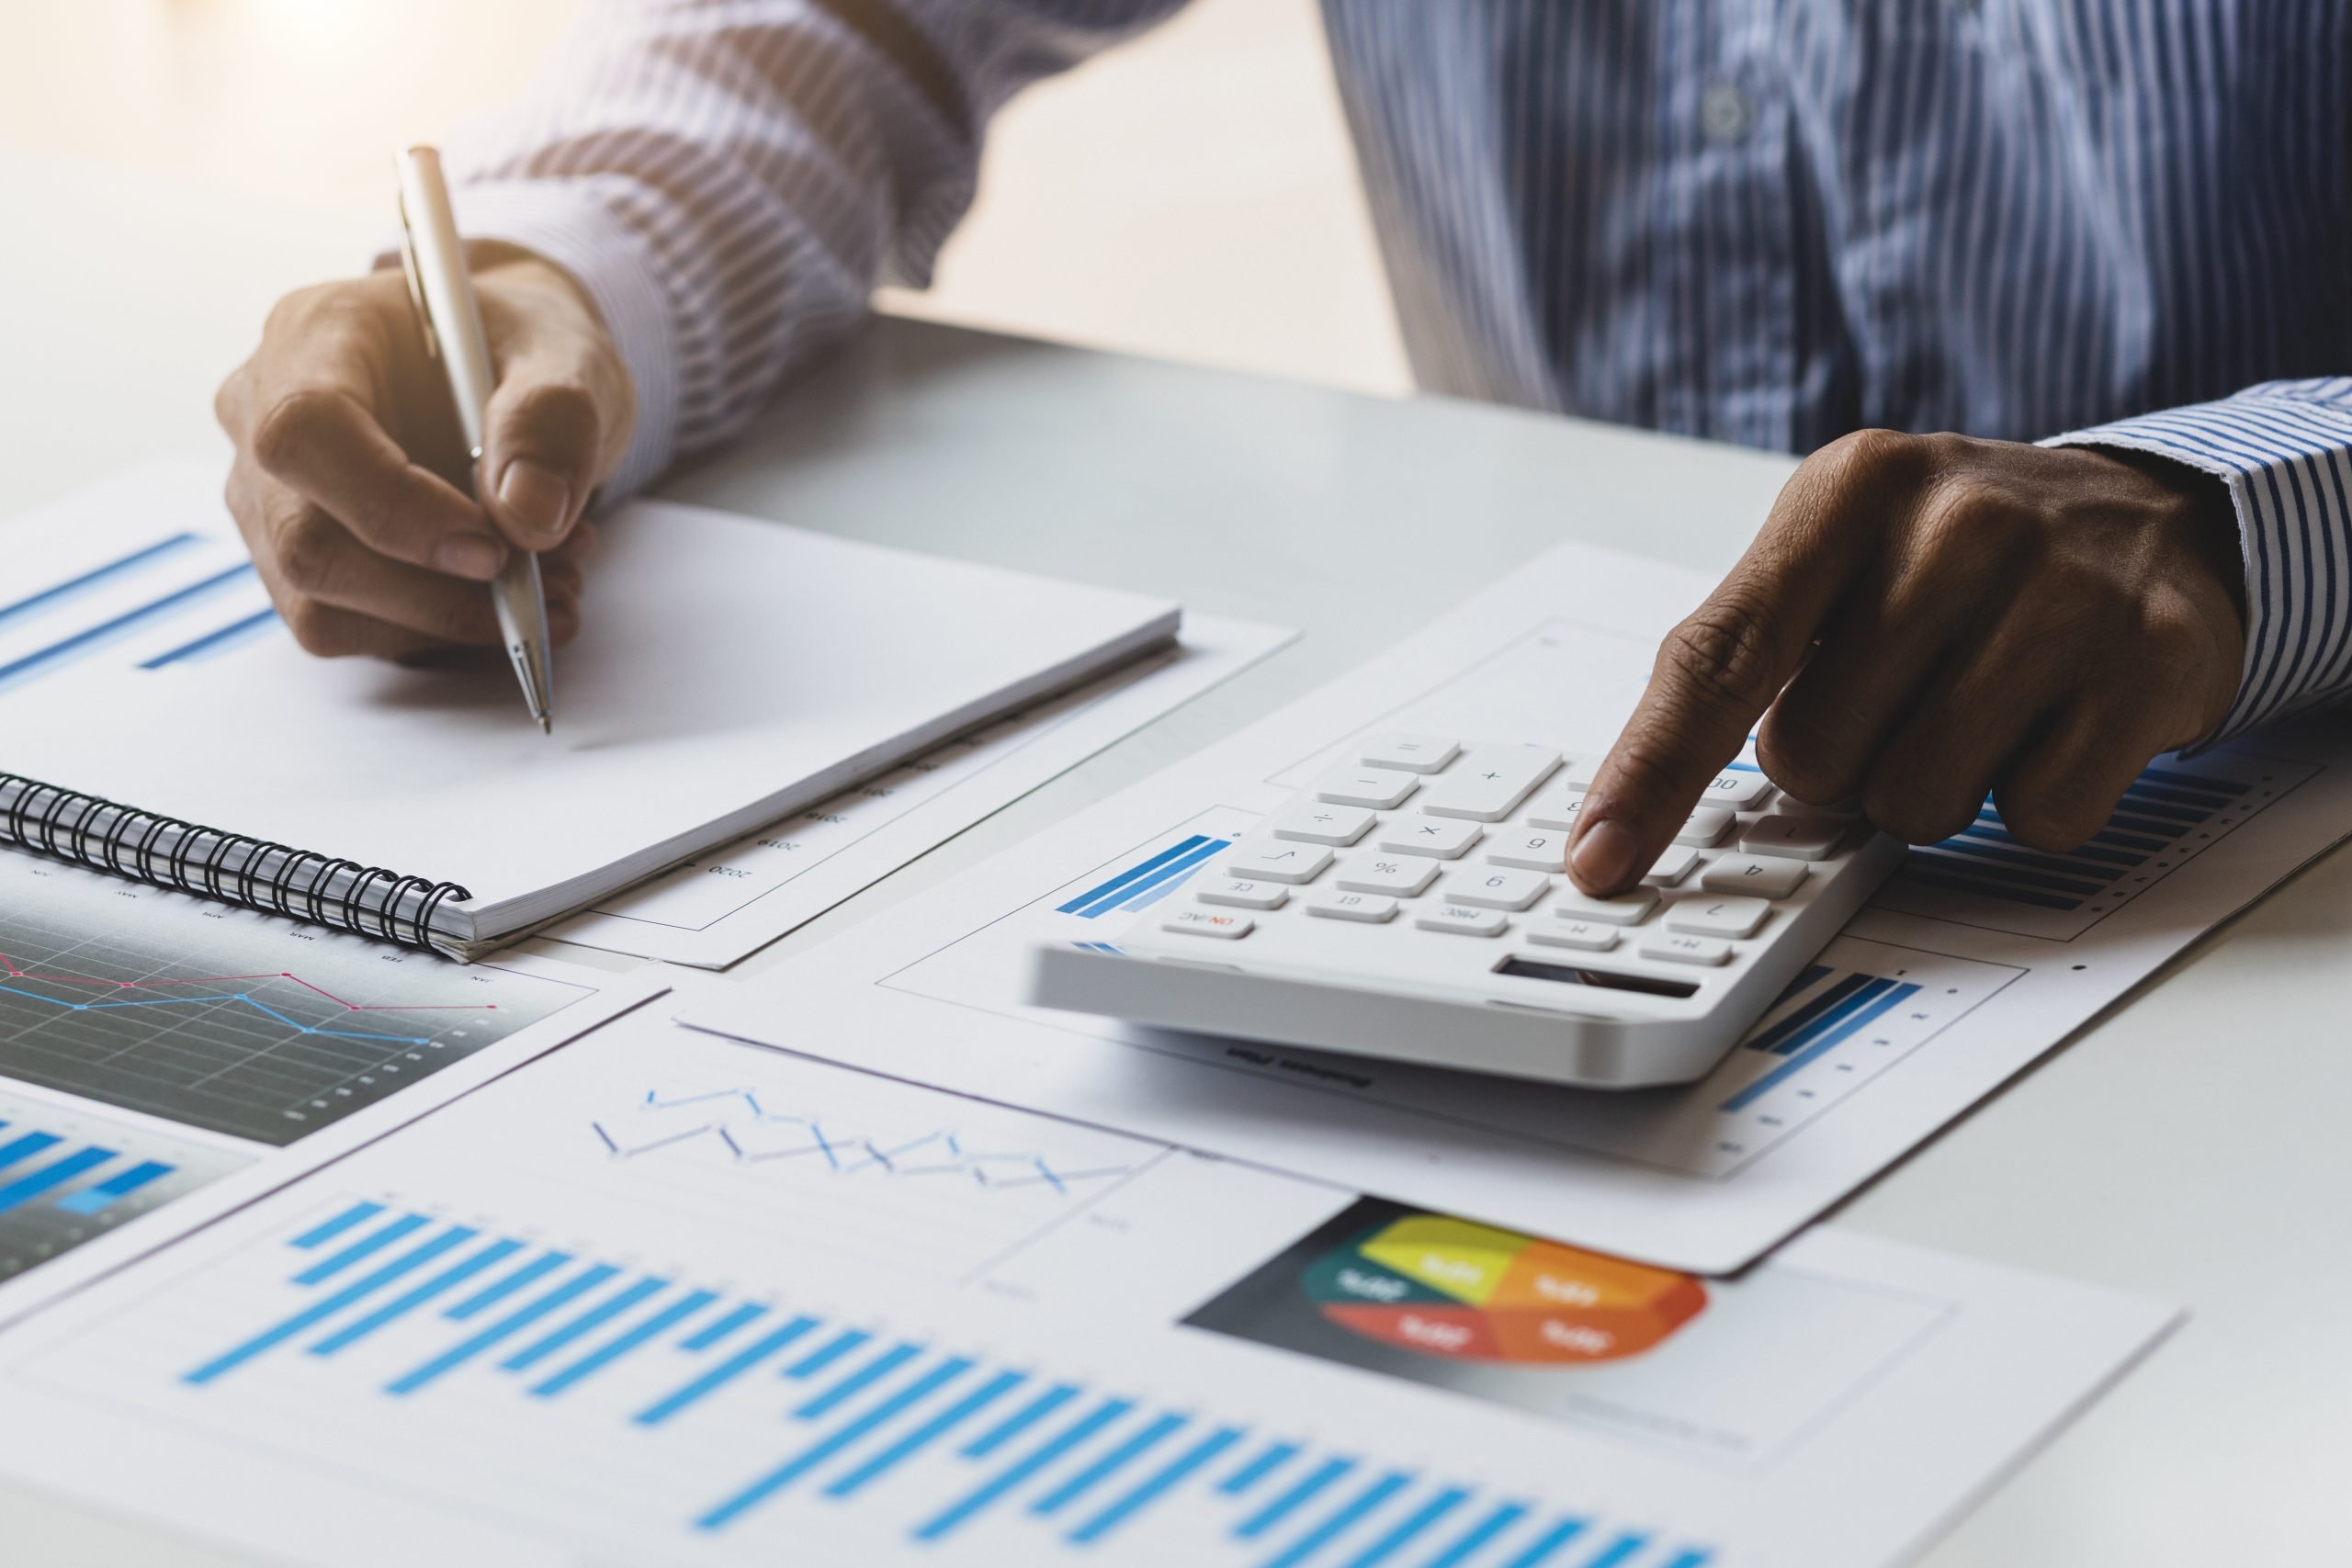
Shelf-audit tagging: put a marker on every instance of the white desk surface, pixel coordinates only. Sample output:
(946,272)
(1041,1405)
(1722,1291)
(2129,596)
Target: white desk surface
(2189,1146)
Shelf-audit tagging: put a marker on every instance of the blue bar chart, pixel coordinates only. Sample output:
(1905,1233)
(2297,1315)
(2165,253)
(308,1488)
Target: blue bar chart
(70,1174)
(907,1435)
(176,598)
(1138,886)
(1984,875)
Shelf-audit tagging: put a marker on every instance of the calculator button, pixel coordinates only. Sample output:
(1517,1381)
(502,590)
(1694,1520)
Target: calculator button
(1243,895)
(1556,806)
(1414,753)
(1315,822)
(1208,922)
(1400,876)
(1497,889)
(1541,850)
(1275,861)
(1590,935)
(1627,909)
(1372,907)
(1739,789)
(1672,866)
(1729,916)
(1766,876)
(1463,919)
(1798,838)
(1410,833)
(1701,950)
(1578,772)
(1488,782)
(1381,788)
(1707,825)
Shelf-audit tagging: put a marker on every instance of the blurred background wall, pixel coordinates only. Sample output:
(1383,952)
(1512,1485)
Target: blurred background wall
(1191,195)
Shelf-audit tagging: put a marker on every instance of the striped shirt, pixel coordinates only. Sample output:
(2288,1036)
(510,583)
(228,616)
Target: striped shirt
(2115,222)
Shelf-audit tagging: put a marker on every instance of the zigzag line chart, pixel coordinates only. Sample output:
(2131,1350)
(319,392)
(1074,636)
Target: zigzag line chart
(736,1126)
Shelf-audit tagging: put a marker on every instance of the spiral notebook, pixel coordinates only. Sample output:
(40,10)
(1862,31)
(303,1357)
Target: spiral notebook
(158,723)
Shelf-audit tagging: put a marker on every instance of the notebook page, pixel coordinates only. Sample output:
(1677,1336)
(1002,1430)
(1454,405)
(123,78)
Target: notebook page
(726,663)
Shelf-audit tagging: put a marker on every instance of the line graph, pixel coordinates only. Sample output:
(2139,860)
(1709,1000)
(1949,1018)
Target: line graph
(224,1020)
(750,1133)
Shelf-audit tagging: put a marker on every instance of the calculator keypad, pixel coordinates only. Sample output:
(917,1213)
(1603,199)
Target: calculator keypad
(1467,839)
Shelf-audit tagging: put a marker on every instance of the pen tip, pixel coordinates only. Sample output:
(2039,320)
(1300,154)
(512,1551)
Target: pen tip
(546,725)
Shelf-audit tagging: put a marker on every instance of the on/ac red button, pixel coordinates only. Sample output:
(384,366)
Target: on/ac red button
(1208,922)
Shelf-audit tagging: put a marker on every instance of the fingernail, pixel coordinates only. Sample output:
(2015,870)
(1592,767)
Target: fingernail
(477,556)
(538,499)
(1604,856)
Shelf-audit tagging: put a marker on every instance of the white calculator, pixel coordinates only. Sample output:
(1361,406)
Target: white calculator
(1412,904)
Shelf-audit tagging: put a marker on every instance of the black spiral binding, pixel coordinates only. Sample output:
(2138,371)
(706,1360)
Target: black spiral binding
(231,867)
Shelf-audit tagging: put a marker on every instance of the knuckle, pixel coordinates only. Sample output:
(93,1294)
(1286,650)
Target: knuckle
(1865,456)
(309,550)
(1913,816)
(316,628)
(1720,654)
(2053,821)
(562,415)
(291,424)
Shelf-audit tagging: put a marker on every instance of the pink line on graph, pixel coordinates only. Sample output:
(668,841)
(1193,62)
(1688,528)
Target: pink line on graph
(13,972)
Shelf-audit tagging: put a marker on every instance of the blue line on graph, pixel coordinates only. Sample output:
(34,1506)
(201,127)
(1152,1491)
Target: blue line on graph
(497,1290)
(1108,1465)
(621,1343)
(1547,1545)
(1160,882)
(1342,1519)
(72,587)
(1258,1469)
(587,1322)
(1030,1464)
(93,637)
(1472,1541)
(91,1200)
(710,1334)
(1802,1018)
(727,1371)
(319,1312)
(400,1305)
(26,1146)
(930,1432)
(1020,1421)
(1132,874)
(1413,1524)
(220,639)
(1154,1487)
(26,1187)
(1872,987)
(2065,875)
(522,1318)
(825,1355)
(1874,1000)
(1297,1497)
(327,1230)
(327,1267)
(824,1448)
(858,1381)
(298,1027)
(1695,1557)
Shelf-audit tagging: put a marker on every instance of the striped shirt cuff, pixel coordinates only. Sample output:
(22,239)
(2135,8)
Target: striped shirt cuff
(567,224)
(2284,451)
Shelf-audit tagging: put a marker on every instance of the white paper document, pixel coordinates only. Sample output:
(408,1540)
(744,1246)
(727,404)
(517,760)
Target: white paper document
(729,903)
(1977,958)
(661,1298)
(164,1059)
(729,672)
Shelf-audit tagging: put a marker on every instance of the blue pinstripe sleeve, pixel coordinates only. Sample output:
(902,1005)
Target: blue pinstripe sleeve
(730,178)
(2284,450)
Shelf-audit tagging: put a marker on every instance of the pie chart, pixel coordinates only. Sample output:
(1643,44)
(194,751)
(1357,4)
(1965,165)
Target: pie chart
(1450,1289)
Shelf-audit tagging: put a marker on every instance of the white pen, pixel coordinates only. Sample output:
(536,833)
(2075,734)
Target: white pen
(443,291)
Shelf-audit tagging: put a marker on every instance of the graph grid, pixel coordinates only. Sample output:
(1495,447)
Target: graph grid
(225,1020)
(417,1305)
